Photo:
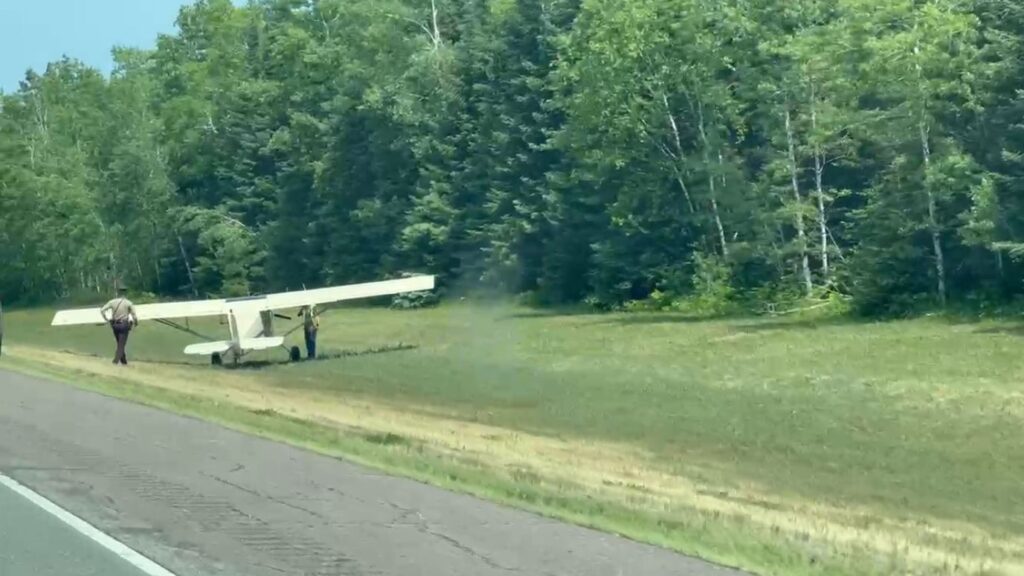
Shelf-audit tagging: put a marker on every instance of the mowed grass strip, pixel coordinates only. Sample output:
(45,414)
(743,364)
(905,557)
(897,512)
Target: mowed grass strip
(861,447)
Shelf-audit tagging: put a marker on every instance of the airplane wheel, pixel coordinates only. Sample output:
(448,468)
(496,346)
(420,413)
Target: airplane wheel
(216,360)
(295,354)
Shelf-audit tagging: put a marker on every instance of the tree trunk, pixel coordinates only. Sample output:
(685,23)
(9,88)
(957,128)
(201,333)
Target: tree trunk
(188,267)
(678,156)
(822,216)
(721,168)
(115,271)
(933,223)
(436,34)
(711,182)
(154,251)
(718,222)
(801,235)
(838,248)
(685,190)
(42,129)
(819,174)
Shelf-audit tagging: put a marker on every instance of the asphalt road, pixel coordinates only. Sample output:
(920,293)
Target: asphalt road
(202,500)
(34,542)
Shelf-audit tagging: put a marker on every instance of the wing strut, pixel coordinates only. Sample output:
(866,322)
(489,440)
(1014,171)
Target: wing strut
(185,329)
(321,310)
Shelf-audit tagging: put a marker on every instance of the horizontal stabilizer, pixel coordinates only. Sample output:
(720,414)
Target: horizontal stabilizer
(246,345)
(208,348)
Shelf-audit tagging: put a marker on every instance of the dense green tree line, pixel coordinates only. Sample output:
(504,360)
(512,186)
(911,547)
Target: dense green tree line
(573,149)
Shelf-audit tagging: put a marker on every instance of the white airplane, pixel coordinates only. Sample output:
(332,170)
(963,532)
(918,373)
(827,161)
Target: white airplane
(250,319)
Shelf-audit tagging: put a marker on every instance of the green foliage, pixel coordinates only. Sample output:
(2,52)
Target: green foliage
(712,288)
(415,300)
(710,293)
(595,151)
(229,256)
(658,301)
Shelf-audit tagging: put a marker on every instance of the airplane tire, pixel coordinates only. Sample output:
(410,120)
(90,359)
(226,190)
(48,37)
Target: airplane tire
(295,354)
(216,360)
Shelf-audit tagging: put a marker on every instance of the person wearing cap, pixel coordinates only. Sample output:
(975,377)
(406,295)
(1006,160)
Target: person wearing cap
(120,314)
(310,327)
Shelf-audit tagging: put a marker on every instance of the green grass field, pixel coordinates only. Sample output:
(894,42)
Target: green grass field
(806,446)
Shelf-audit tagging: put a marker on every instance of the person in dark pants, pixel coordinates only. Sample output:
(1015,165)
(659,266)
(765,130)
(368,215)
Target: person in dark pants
(310,326)
(120,314)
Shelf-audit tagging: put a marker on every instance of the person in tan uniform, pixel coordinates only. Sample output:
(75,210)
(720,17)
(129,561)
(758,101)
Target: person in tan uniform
(120,314)
(310,327)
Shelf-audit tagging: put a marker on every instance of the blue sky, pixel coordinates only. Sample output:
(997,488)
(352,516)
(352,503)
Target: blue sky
(34,32)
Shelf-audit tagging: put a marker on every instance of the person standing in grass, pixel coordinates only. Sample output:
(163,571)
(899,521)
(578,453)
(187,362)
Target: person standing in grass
(120,314)
(310,327)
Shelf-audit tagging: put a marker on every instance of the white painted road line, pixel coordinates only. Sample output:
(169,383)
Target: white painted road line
(137,560)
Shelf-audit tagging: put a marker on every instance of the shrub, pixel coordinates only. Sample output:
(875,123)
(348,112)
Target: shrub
(415,300)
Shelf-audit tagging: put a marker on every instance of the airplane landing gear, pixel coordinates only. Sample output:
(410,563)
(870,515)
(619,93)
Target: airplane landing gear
(294,354)
(216,360)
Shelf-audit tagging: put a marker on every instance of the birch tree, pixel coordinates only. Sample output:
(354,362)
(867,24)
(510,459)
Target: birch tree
(923,64)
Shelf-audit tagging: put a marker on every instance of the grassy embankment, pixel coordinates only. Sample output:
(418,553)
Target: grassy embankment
(782,447)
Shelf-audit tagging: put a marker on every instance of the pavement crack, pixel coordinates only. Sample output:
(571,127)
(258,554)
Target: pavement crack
(268,497)
(405,515)
(271,567)
(455,543)
(423,526)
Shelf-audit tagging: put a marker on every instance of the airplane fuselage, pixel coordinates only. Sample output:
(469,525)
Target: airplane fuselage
(250,326)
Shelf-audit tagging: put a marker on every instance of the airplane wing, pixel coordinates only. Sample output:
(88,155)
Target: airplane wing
(201,308)
(167,311)
(342,293)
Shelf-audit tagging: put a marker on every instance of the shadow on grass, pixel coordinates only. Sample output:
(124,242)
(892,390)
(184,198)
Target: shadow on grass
(260,364)
(1007,330)
(131,359)
(739,323)
(323,357)
(773,324)
(644,318)
(548,314)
